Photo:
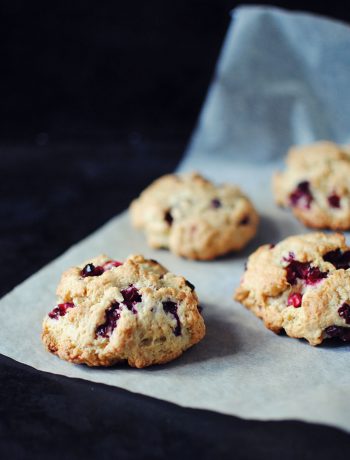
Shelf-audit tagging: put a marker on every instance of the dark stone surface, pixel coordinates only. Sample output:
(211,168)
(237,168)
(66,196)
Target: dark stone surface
(98,99)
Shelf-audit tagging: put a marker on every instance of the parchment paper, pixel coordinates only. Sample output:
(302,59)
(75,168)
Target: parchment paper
(282,78)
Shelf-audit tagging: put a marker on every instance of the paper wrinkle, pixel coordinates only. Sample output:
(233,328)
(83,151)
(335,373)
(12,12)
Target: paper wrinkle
(275,85)
(282,78)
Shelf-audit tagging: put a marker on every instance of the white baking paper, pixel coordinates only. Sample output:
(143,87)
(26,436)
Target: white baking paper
(282,78)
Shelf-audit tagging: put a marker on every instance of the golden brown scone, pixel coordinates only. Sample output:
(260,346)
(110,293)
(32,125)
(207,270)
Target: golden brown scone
(134,311)
(316,185)
(193,217)
(301,285)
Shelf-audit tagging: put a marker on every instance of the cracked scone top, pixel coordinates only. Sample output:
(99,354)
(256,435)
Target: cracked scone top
(134,311)
(316,185)
(301,285)
(193,217)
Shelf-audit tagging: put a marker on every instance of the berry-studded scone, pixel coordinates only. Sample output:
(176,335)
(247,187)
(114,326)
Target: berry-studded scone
(316,185)
(193,217)
(301,285)
(134,311)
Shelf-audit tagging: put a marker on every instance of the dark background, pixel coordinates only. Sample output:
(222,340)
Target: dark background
(110,70)
(98,99)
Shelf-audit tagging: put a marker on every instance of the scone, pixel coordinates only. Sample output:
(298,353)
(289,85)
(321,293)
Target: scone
(194,218)
(316,185)
(301,285)
(134,311)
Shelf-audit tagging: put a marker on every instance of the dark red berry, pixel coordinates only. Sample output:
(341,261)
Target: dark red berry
(302,196)
(60,310)
(171,307)
(131,297)
(338,258)
(112,315)
(344,312)
(244,221)
(168,218)
(110,264)
(295,299)
(334,200)
(342,333)
(303,270)
(91,270)
(216,203)
(315,275)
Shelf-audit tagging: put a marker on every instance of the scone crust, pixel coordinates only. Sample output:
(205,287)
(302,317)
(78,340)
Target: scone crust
(142,337)
(265,288)
(194,218)
(325,166)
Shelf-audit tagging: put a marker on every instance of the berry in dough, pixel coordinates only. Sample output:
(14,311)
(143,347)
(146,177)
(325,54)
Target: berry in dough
(134,311)
(194,218)
(301,285)
(316,185)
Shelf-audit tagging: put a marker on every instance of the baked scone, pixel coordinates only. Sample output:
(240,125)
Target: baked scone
(301,285)
(316,185)
(134,311)
(193,217)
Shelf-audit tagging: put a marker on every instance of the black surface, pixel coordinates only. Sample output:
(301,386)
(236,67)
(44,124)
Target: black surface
(69,418)
(54,195)
(98,99)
